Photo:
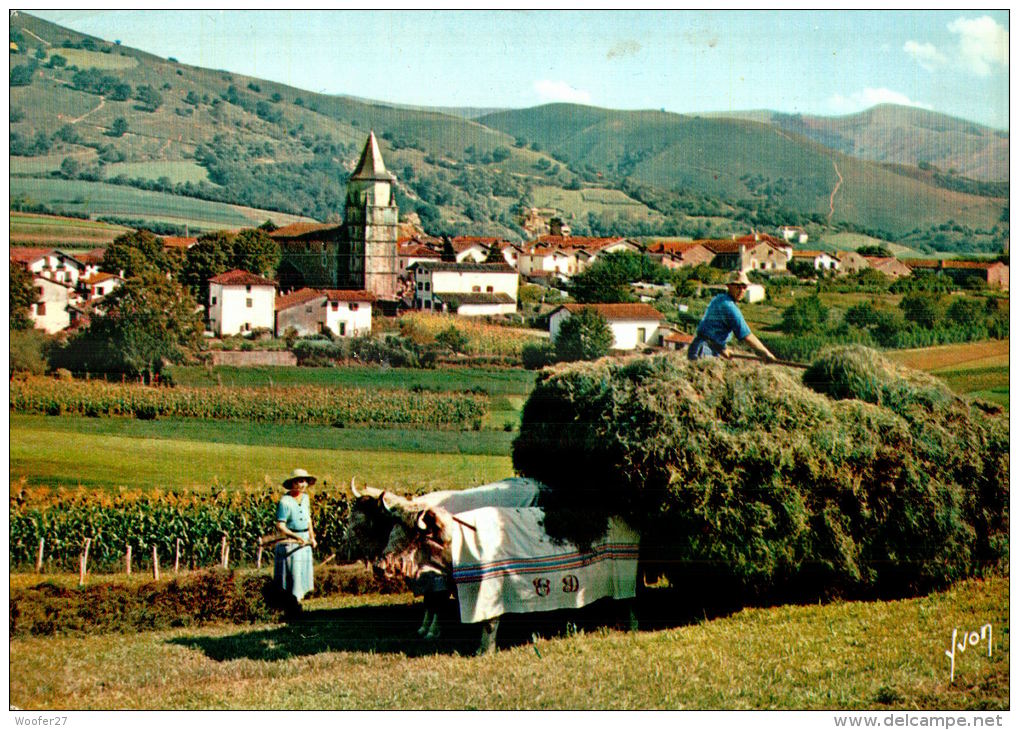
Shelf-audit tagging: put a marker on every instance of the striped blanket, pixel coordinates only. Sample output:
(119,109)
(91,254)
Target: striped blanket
(507,564)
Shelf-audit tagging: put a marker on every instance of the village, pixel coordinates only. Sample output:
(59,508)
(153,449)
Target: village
(336,277)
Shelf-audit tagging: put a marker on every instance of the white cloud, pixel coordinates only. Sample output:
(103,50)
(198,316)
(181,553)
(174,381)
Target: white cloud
(561,91)
(982,43)
(870,97)
(925,54)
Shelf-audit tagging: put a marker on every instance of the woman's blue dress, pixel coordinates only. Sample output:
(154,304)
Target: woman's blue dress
(293,568)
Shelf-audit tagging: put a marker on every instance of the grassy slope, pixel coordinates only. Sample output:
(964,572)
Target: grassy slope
(31,229)
(699,153)
(112,453)
(361,653)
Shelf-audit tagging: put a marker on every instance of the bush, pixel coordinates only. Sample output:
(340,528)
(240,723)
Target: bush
(744,481)
(584,335)
(29,351)
(535,356)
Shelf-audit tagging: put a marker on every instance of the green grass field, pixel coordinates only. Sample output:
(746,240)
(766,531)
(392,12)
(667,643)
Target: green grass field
(178,171)
(30,229)
(361,653)
(93,59)
(104,199)
(111,453)
(578,203)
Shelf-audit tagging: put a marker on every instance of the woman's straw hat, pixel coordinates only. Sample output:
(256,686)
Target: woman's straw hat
(299,474)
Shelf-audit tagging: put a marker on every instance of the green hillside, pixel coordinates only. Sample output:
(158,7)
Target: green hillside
(88,112)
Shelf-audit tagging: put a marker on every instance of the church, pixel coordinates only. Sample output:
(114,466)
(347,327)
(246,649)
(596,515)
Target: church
(358,254)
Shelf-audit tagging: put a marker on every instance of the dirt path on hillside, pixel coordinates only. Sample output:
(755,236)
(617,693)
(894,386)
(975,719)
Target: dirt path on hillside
(831,200)
(102,103)
(41,40)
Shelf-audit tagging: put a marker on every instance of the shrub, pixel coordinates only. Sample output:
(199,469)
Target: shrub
(584,335)
(28,351)
(742,479)
(537,355)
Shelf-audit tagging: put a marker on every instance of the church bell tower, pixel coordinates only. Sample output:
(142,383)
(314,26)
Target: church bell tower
(371,227)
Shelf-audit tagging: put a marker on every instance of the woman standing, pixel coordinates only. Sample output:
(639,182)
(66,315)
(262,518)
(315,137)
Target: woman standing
(293,569)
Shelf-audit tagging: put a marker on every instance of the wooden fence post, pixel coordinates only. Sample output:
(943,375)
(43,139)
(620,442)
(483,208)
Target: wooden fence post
(258,562)
(127,559)
(222,552)
(83,566)
(155,563)
(176,560)
(38,559)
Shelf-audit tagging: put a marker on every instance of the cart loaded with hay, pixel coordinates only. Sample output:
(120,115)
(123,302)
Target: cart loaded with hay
(855,477)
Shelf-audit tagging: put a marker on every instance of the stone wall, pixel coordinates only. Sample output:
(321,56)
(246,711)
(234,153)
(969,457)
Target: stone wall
(250,358)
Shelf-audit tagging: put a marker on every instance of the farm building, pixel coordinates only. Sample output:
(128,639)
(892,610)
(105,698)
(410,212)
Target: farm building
(632,325)
(99,285)
(240,301)
(992,273)
(820,260)
(674,254)
(888,266)
(467,289)
(52,264)
(851,262)
(50,313)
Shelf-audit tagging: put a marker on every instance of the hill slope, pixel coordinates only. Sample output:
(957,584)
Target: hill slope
(88,111)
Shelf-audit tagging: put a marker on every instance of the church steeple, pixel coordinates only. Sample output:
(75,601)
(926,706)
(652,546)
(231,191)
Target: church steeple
(371,166)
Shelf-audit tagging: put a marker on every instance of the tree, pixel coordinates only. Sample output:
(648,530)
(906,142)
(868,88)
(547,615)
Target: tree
(149,99)
(924,308)
(585,335)
(209,257)
(609,277)
(966,312)
(70,168)
(874,250)
(118,128)
(57,61)
(453,340)
(135,253)
(805,316)
(147,320)
(254,251)
(21,75)
(494,255)
(23,296)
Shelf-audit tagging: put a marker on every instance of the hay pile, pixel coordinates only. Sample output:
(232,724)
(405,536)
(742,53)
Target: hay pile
(859,477)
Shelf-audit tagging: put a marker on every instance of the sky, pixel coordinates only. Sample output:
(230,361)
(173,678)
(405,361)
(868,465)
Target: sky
(828,63)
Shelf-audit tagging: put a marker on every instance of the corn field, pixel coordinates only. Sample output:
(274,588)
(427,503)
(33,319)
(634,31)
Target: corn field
(112,522)
(483,339)
(293,404)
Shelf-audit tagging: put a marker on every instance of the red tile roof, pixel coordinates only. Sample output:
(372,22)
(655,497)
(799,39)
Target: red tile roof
(679,337)
(94,256)
(809,254)
(720,245)
(240,277)
(101,276)
(179,242)
(588,242)
(295,230)
(618,311)
(673,247)
(295,298)
(26,256)
(349,295)
(418,249)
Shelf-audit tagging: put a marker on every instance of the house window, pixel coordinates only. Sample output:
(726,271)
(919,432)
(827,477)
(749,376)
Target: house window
(428,304)
(248,288)
(247,302)
(38,290)
(307,310)
(489,289)
(336,306)
(214,300)
(353,306)
(428,286)
(763,266)
(247,326)
(40,309)
(343,329)
(475,288)
(421,286)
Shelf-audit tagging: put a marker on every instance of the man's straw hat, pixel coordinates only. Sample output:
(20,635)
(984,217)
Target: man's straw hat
(299,474)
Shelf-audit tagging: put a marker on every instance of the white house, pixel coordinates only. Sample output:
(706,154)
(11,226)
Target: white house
(50,313)
(468,289)
(793,233)
(632,325)
(240,301)
(51,264)
(348,313)
(99,285)
(820,260)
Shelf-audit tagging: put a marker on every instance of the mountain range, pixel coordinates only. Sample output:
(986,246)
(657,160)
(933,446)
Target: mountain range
(94,123)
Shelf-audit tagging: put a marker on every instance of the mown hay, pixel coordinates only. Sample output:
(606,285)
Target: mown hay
(873,480)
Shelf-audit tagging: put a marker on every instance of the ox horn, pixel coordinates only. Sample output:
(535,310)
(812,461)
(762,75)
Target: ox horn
(353,489)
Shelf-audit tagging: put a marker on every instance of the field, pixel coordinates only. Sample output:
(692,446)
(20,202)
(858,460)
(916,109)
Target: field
(112,453)
(361,653)
(177,171)
(30,229)
(103,199)
(93,59)
(976,369)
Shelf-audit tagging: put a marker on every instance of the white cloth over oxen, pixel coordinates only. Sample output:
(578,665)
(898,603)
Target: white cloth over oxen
(504,562)
(510,492)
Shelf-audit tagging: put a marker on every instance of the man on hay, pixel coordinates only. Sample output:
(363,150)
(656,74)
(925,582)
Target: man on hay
(293,567)
(722,320)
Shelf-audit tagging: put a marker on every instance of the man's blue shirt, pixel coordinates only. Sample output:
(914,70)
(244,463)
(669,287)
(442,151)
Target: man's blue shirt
(722,320)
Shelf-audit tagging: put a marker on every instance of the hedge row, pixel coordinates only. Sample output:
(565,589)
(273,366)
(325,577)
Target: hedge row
(156,519)
(207,597)
(295,404)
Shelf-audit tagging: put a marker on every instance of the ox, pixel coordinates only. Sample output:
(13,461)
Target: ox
(499,560)
(375,530)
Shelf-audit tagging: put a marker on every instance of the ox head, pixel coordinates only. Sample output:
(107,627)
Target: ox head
(369,524)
